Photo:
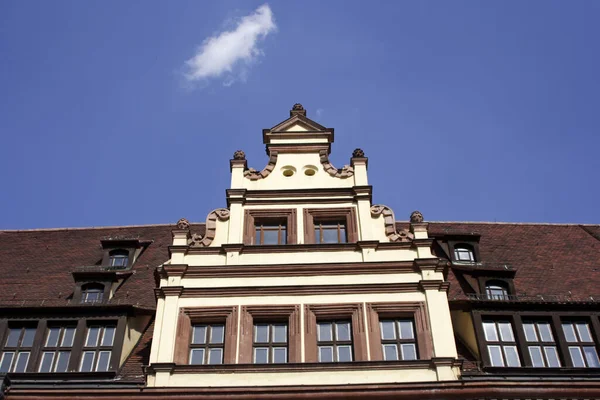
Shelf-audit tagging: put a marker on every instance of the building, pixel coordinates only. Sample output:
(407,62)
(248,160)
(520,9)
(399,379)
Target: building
(301,288)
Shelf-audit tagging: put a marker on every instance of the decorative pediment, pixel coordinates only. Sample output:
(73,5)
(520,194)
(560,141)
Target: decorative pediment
(298,127)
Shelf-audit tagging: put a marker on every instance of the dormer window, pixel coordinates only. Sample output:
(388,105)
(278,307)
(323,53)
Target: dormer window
(464,253)
(92,293)
(496,290)
(119,258)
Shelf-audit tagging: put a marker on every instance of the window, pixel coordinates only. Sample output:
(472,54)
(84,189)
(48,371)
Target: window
(398,339)
(464,253)
(501,344)
(330,232)
(56,352)
(334,341)
(118,258)
(541,344)
(92,293)
(17,349)
(270,232)
(496,290)
(207,344)
(270,343)
(582,349)
(97,348)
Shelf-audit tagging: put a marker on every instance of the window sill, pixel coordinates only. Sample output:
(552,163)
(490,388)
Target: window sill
(60,376)
(517,371)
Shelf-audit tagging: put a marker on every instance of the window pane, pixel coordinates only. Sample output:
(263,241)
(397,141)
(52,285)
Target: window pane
(280,333)
(63,361)
(512,356)
(591,356)
(325,354)
(584,332)
(489,328)
(13,337)
(257,235)
(344,353)
(317,235)
(496,356)
(103,361)
(343,331)
(87,361)
(28,336)
(406,330)
(530,334)
(324,332)
(283,233)
(68,335)
(261,333)
(569,333)
(330,234)
(552,357)
(215,356)
(109,336)
(545,332)
(52,339)
(409,352)
(387,330)
(270,237)
(280,355)
(506,333)
(390,352)
(217,333)
(92,337)
(21,363)
(536,356)
(576,356)
(261,355)
(6,361)
(197,356)
(46,364)
(199,334)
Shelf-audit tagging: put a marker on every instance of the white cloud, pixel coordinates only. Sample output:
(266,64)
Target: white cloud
(230,53)
(320,112)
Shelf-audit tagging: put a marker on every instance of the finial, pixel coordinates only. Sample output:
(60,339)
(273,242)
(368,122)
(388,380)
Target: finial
(416,217)
(239,155)
(358,153)
(183,224)
(297,109)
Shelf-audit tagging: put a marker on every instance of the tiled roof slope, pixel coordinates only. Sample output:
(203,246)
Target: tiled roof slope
(36,265)
(549,259)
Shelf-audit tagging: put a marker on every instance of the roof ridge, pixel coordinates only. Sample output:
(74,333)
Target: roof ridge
(92,227)
(510,223)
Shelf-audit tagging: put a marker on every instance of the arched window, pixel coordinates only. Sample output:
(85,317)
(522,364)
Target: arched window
(463,252)
(118,258)
(496,290)
(92,293)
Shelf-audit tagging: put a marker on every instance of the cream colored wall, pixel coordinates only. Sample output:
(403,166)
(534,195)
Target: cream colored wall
(133,332)
(465,329)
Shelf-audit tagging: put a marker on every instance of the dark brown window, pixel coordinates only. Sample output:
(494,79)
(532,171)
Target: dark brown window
(56,352)
(92,293)
(270,232)
(496,290)
(464,253)
(207,346)
(330,231)
(118,258)
(501,344)
(541,345)
(97,348)
(17,348)
(398,341)
(334,341)
(582,348)
(270,343)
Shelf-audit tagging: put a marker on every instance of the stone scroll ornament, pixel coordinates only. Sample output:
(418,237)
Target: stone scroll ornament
(346,172)
(197,240)
(255,175)
(390,224)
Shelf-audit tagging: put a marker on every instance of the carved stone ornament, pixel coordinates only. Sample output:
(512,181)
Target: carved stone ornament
(222,214)
(416,217)
(297,107)
(183,224)
(255,175)
(390,224)
(346,172)
(358,153)
(239,155)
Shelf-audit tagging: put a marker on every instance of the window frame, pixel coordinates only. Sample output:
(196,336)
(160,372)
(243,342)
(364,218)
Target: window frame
(468,241)
(208,345)
(270,345)
(30,350)
(119,253)
(57,349)
(589,322)
(99,347)
(335,343)
(93,287)
(540,343)
(252,216)
(347,214)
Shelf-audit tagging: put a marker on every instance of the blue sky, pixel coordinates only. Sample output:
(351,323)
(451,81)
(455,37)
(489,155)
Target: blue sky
(467,110)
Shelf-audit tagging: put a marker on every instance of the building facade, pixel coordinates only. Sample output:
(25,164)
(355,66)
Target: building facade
(301,287)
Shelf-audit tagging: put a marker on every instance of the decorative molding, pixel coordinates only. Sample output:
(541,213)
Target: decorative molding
(254,175)
(416,217)
(197,240)
(183,224)
(239,155)
(297,109)
(358,153)
(346,172)
(390,224)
